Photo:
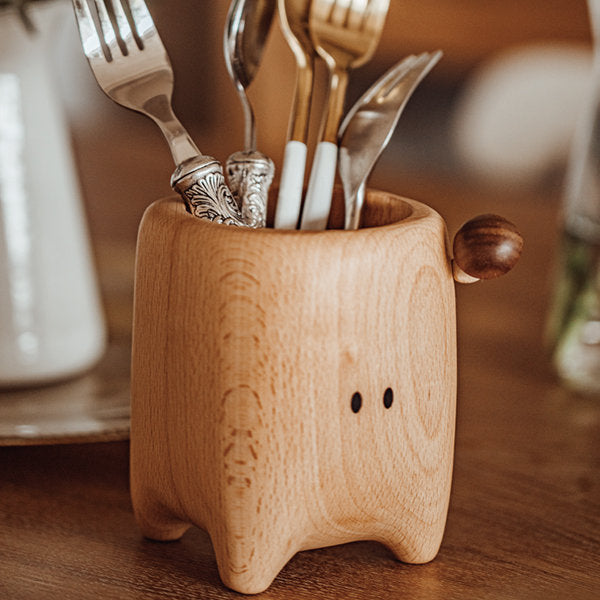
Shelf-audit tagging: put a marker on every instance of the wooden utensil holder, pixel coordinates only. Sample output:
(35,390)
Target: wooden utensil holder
(293,390)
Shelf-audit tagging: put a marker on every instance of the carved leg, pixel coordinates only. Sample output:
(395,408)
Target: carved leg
(416,548)
(156,521)
(250,565)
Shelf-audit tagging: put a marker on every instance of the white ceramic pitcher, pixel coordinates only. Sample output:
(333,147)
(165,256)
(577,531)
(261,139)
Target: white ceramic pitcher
(51,319)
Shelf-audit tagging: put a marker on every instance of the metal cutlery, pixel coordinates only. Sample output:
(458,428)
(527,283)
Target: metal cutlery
(293,16)
(132,67)
(345,34)
(249,172)
(368,127)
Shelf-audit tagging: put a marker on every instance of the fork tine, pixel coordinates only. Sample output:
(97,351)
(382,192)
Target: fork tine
(322,10)
(339,12)
(125,32)
(373,13)
(108,32)
(90,40)
(143,23)
(357,13)
(375,5)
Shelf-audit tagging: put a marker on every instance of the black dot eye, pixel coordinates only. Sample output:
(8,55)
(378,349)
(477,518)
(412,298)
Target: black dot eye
(388,397)
(356,402)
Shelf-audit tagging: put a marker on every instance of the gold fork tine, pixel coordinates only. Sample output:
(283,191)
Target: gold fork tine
(323,10)
(339,12)
(372,20)
(358,13)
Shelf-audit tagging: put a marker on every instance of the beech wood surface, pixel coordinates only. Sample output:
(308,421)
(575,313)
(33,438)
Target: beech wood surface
(264,371)
(524,518)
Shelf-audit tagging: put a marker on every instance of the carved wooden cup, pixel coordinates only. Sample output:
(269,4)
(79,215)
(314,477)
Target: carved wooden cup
(294,390)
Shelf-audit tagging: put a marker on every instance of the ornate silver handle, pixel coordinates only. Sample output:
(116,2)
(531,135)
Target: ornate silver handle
(250,174)
(201,184)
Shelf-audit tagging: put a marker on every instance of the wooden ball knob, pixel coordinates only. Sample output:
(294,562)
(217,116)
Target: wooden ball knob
(487,246)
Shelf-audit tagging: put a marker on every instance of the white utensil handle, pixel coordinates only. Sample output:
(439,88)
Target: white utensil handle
(291,186)
(320,187)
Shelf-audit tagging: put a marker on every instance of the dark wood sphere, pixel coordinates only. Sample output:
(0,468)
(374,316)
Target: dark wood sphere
(487,246)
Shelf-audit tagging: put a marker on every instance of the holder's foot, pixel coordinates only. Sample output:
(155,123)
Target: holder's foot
(416,549)
(157,523)
(249,566)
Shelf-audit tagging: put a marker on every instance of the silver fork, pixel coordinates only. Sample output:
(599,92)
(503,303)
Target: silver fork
(131,66)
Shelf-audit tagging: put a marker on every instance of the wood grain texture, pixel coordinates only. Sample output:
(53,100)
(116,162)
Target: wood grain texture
(524,516)
(248,348)
(487,246)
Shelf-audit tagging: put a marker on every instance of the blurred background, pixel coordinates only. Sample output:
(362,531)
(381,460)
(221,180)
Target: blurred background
(476,38)
(495,115)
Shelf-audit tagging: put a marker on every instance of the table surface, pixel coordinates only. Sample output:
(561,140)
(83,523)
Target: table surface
(524,519)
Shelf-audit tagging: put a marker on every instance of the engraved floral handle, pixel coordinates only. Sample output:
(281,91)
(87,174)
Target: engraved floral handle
(201,184)
(250,174)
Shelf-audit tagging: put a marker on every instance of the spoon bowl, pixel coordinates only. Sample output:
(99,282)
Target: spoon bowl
(249,172)
(246,31)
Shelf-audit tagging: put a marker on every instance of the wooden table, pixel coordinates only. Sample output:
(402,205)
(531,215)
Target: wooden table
(524,520)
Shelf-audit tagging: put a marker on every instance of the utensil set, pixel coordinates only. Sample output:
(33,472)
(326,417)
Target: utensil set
(280,354)
(345,36)
(132,67)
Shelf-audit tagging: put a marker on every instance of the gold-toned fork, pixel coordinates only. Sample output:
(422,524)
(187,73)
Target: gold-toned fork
(293,16)
(131,66)
(345,33)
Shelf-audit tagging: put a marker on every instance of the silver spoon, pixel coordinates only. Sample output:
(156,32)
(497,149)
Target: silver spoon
(368,127)
(249,172)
